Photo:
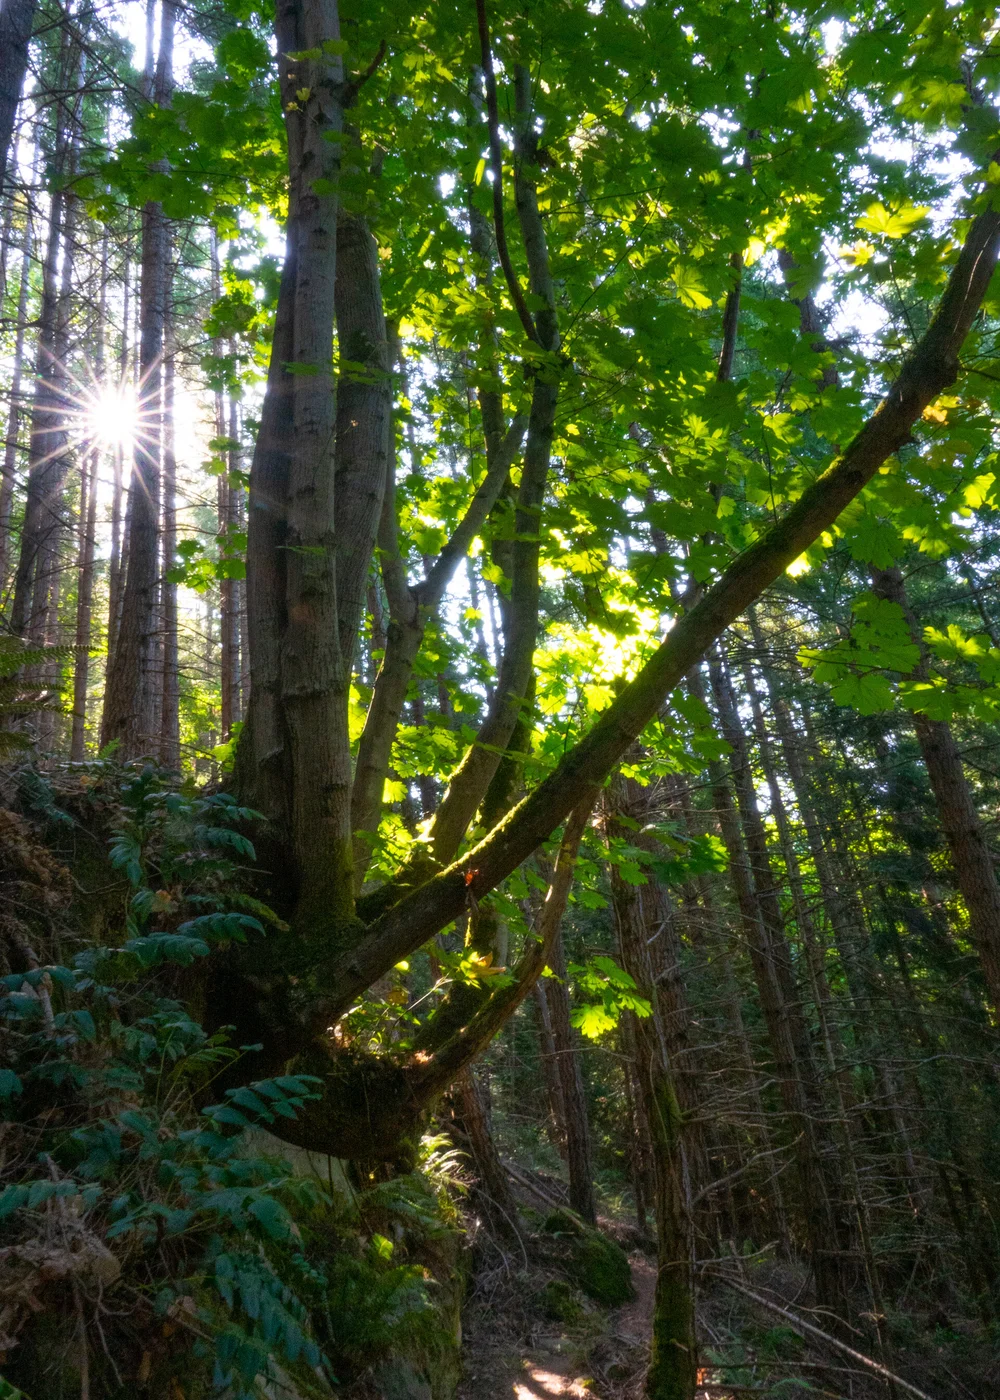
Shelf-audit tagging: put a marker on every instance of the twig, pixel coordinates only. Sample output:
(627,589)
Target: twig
(352,89)
(801,1326)
(496,165)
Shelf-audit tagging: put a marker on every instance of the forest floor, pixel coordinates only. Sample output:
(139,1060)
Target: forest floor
(510,1355)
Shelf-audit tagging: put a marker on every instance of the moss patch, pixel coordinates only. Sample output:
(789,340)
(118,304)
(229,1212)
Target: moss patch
(597,1265)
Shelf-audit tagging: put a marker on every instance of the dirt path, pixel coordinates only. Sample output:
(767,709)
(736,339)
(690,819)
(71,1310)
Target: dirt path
(554,1362)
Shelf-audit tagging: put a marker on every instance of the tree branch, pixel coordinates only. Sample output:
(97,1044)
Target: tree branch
(469,1042)
(496,166)
(929,370)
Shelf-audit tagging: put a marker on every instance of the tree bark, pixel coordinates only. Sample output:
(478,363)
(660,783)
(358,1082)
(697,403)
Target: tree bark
(88,542)
(294,760)
(170,738)
(673,1368)
(130,701)
(12,443)
(973,864)
(579,1161)
(17,18)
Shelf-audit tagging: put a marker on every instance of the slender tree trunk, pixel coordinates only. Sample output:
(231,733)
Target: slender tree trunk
(170,738)
(118,554)
(234,522)
(673,1369)
(787,1030)
(963,830)
(88,542)
(132,694)
(84,602)
(550,1071)
(16,20)
(14,418)
(48,444)
(491,1193)
(575,1117)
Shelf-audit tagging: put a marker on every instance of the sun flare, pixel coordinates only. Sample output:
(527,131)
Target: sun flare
(112,417)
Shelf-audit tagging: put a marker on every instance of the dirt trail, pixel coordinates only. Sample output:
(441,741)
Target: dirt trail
(557,1363)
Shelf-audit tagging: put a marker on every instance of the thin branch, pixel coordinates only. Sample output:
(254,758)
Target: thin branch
(800,1325)
(496,165)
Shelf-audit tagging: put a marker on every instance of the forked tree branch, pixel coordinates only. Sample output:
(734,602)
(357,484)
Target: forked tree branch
(931,368)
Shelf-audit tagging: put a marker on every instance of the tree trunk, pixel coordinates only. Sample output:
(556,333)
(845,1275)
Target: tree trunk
(963,830)
(14,418)
(575,1118)
(294,759)
(131,698)
(787,1030)
(16,20)
(673,1369)
(85,594)
(115,564)
(47,455)
(170,738)
(491,1192)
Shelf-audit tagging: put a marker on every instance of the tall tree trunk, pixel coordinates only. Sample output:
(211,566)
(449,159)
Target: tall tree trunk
(170,738)
(294,760)
(16,20)
(131,697)
(14,417)
(550,1070)
(84,602)
(491,1193)
(117,560)
(673,1369)
(575,1117)
(963,830)
(47,455)
(787,1029)
(88,541)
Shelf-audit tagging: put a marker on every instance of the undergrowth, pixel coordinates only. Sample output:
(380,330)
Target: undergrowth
(152,1236)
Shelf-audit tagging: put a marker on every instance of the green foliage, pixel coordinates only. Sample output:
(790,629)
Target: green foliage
(609,990)
(196,1228)
(21,697)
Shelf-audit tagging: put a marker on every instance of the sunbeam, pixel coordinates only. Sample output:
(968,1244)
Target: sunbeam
(112,418)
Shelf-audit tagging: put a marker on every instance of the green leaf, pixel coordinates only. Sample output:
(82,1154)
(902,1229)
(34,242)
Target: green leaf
(896,223)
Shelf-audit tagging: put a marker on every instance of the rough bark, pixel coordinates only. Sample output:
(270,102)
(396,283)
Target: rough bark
(16,20)
(491,1191)
(970,854)
(673,1368)
(131,699)
(579,1161)
(170,739)
(294,758)
(48,460)
(12,443)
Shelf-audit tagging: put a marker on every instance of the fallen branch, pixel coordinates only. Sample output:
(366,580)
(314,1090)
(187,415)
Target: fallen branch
(549,1197)
(809,1329)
